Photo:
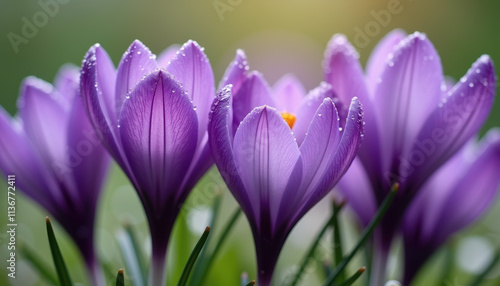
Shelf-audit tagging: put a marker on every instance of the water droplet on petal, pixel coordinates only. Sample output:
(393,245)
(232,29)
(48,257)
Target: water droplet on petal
(340,128)
(471,84)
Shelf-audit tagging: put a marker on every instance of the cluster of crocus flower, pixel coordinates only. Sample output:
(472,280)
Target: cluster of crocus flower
(53,150)
(152,116)
(417,120)
(279,150)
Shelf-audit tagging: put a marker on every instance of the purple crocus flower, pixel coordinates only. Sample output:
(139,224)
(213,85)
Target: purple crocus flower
(414,122)
(152,117)
(455,196)
(56,157)
(278,165)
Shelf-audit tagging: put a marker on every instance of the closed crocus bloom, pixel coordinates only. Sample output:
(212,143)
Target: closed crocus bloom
(414,121)
(277,174)
(58,161)
(454,197)
(152,117)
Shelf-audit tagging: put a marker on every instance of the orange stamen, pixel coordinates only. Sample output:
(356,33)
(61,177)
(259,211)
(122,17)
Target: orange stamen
(289,118)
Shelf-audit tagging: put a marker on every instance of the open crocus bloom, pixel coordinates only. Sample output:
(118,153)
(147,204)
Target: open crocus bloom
(53,150)
(415,122)
(277,175)
(152,117)
(455,196)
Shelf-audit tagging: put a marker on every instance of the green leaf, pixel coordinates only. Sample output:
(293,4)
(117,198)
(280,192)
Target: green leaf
(337,239)
(62,271)
(192,258)
(310,253)
(353,278)
(38,264)
(204,264)
(367,232)
(251,283)
(131,254)
(120,280)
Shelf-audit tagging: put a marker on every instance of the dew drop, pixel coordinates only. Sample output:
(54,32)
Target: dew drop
(340,128)
(320,115)
(471,84)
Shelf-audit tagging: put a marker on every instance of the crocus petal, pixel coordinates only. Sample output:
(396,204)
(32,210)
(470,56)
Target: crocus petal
(343,71)
(379,57)
(409,91)
(86,156)
(453,123)
(19,158)
(318,149)
(236,72)
(320,144)
(66,84)
(221,143)
(136,62)
(310,105)
(356,188)
(459,192)
(254,92)
(44,119)
(265,153)
(346,152)
(97,87)
(288,93)
(167,55)
(192,69)
(159,127)
(473,191)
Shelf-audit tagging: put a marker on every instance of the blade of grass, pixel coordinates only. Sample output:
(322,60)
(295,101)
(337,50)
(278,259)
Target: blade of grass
(337,240)
(225,233)
(192,258)
(251,283)
(37,262)
(314,245)
(367,232)
(120,280)
(353,278)
(129,254)
(141,259)
(62,271)
(480,278)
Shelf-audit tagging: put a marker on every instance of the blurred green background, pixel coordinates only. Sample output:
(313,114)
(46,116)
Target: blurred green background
(279,37)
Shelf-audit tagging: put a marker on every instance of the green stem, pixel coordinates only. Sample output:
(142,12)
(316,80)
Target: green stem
(62,271)
(207,263)
(353,278)
(367,232)
(337,240)
(120,280)
(192,258)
